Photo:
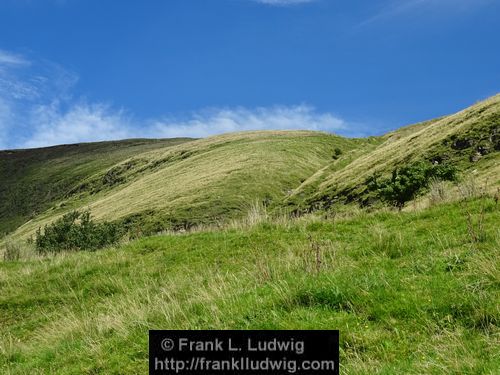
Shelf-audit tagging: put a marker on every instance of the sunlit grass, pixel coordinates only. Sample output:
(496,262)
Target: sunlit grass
(417,142)
(207,181)
(410,293)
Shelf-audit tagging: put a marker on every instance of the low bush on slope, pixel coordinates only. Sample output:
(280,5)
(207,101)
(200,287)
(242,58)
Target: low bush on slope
(468,141)
(407,182)
(76,231)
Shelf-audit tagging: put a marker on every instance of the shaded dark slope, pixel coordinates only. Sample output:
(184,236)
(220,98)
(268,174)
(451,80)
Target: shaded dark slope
(32,179)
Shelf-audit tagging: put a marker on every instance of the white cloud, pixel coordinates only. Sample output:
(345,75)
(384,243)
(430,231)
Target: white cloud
(8,58)
(81,123)
(86,123)
(37,109)
(284,2)
(217,121)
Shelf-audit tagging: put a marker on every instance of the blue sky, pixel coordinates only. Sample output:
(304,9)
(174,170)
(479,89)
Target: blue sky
(87,70)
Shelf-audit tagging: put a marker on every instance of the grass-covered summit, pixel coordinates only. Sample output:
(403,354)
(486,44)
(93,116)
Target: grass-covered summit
(151,186)
(206,181)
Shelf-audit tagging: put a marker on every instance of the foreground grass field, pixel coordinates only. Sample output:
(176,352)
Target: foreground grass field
(411,292)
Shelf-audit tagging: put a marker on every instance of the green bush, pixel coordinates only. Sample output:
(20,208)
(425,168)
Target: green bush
(336,153)
(409,181)
(76,231)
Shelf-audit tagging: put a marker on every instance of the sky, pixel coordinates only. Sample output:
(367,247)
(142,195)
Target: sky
(89,70)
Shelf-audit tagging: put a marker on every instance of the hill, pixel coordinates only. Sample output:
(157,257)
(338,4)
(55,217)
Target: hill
(33,180)
(149,186)
(238,232)
(468,140)
(204,181)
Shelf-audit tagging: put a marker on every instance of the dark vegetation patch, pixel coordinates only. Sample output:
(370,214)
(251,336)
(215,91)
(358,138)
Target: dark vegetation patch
(171,158)
(114,176)
(323,297)
(151,222)
(471,145)
(337,152)
(76,231)
(32,180)
(407,182)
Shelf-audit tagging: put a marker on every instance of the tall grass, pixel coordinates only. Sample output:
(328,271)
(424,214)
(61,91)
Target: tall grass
(18,251)
(405,289)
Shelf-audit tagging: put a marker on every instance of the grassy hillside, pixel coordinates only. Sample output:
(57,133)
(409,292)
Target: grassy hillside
(34,179)
(172,184)
(422,299)
(199,182)
(412,292)
(469,140)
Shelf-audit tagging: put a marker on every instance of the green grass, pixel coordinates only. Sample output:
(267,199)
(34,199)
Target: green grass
(410,292)
(431,141)
(33,180)
(205,181)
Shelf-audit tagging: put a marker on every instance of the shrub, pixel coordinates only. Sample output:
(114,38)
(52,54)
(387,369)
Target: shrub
(76,231)
(336,153)
(409,181)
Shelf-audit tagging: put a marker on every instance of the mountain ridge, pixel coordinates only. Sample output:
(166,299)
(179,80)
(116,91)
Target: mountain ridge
(180,183)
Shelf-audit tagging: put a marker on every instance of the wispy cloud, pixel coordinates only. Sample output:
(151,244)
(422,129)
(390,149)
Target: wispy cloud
(50,125)
(26,85)
(399,8)
(284,2)
(37,109)
(96,122)
(11,59)
(217,121)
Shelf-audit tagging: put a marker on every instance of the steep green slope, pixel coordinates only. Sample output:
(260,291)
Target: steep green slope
(205,181)
(469,140)
(173,184)
(32,180)
(412,293)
